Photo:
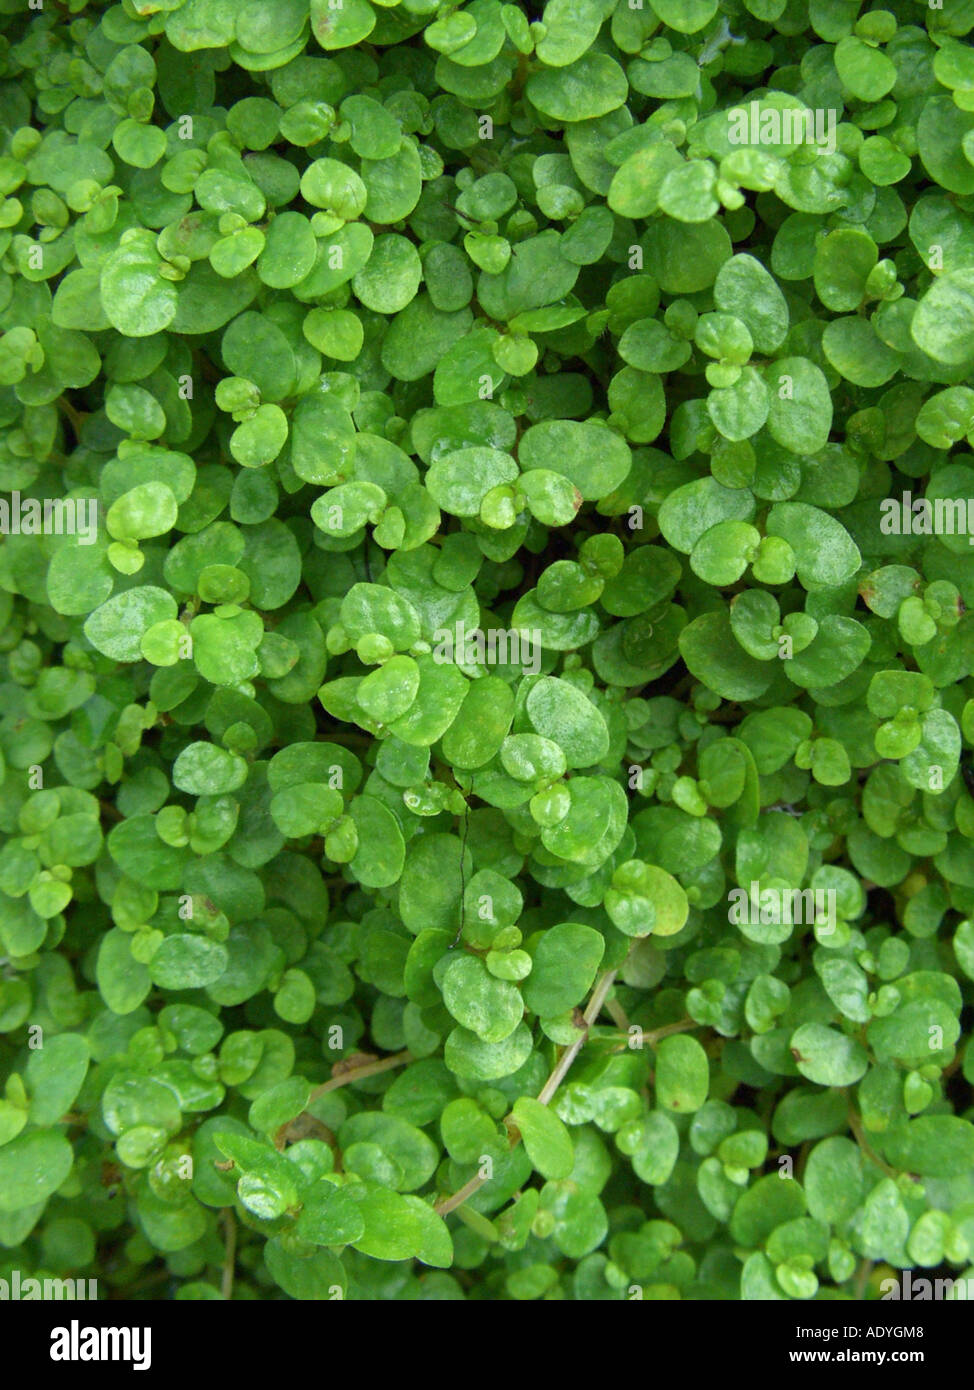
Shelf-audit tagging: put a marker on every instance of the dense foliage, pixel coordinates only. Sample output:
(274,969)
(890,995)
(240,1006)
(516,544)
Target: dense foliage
(491,424)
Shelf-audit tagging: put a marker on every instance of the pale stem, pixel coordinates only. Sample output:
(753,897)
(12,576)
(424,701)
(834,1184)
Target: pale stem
(592,1011)
(230,1252)
(602,987)
(398,1059)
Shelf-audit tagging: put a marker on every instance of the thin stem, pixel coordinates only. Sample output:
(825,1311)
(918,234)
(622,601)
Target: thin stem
(156,1277)
(618,1014)
(855,1124)
(399,1059)
(230,1252)
(602,987)
(951,1067)
(463,883)
(658,1034)
(592,1011)
(862,1274)
(457,1200)
(520,76)
(66,408)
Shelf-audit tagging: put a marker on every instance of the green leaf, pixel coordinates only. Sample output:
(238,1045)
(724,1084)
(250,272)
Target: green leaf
(571,27)
(843,260)
(136,299)
(740,410)
(685,18)
(827,1056)
(481,723)
(561,712)
(942,130)
(32,1167)
(184,961)
(588,87)
(865,72)
(480,1003)
(856,351)
(644,898)
(391,277)
(825,553)
(691,510)
(745,288)
(593,823)
(202,769)
(473,1059)
(459,481)
(590,456)
(116,627)
(712,654)
(944,318)
(564,963)
(54,1076)
(938,1146)
(682,1074)
(834,1180)
(800,410)
(344,27)
(122,980)
(546,1139)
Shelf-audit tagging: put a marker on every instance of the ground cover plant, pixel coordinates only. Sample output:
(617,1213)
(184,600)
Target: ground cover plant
(486,707)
